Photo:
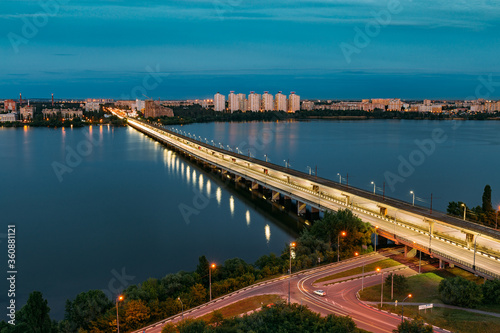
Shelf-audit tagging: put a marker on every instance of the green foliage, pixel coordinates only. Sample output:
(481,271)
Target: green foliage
(460,292)
(400,283)
(487,206)
(86,308)
(491,292)
(414,326)
(35,314)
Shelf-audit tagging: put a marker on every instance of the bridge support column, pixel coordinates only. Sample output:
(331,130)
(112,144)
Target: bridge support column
(275,196)
(441,263)
(383,210)
(469,238)
(301,208)
(314,213)
(255,186)
(237,179)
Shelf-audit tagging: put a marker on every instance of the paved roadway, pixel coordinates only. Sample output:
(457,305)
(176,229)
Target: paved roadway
(340,299)
(420,238)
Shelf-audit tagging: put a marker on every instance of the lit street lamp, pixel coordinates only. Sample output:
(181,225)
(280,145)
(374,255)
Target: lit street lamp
(118,299)
(374,187)
(362,274)
(376,227)
(309,168)
(265,155)
(210,278)
(465,209)
(411,192)
(381,288)
(403,307)
(182,308)
(340,178)
(342,233)
(292,245)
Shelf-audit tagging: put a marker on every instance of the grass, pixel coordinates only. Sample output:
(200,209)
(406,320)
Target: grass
(386,263)
(243,306)
(424,289)
(453,320)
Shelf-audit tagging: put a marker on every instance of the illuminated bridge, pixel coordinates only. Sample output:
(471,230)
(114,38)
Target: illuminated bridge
(470,246)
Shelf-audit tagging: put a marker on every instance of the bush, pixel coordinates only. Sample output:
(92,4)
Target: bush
(414,326)
(491,292)
(460,292)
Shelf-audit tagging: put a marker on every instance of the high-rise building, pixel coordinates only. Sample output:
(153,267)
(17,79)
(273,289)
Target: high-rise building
(280,102)
(254,102)
(293,102)
(267,102)
(242,102)
(219,102)
(233,102)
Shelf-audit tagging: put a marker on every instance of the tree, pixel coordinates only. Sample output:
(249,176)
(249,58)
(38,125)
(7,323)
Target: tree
(460,292)
(400,283)
(86,308)
(491,291)
(414,326)
(202,270)
(487,206)
(197,295)
(36,314)
(136,314)
(217,318)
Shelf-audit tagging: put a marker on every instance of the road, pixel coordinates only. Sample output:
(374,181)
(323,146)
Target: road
(457,252)
(340,298)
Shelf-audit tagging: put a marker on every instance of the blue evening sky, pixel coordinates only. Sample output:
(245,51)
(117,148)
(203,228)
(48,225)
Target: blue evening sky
(106,48)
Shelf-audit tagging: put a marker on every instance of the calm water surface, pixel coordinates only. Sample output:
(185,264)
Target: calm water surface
(115,218)
(118,209)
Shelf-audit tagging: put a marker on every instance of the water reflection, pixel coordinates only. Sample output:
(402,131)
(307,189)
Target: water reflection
(194,178)
(188,174)
(209,185)
(267,231)
(200,181)
(247,217)
(231,205)
(218,195)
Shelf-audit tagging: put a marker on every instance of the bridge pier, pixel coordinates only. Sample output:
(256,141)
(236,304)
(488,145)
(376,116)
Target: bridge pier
(238,179)
(255,186)
(275,196)
(301,208)
(410,252)
(383,210)
(469,238)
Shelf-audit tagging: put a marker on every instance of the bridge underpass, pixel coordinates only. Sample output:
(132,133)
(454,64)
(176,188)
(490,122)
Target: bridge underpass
(445,237)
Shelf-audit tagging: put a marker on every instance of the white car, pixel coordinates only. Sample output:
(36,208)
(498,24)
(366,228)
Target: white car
(320,292)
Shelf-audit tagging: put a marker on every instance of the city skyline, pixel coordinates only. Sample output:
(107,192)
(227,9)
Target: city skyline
(193,48)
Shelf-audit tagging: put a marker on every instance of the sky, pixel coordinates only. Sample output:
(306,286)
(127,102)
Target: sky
(345,49)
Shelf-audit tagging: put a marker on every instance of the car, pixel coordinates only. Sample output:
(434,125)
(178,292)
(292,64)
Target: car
(320,292)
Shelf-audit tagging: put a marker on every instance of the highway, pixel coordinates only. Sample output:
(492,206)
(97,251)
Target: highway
(340,298)
(408,234)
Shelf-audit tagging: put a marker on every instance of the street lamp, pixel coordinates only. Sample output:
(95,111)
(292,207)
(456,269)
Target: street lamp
(362,274)
(342,233)
(374,187)
(309,168)
(411,192)
(465,209)
(376,227)
(292,245)
(118,299)
(210,279)
(340,178)
(403,307)
(474,262)
(265,155)
(182,308)
(381,287)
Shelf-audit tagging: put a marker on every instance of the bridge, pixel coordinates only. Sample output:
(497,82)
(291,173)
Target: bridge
(453,241)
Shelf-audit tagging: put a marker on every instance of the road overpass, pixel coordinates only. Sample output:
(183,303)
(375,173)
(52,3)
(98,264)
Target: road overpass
(473,247)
